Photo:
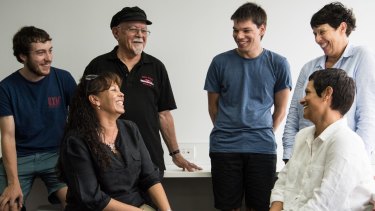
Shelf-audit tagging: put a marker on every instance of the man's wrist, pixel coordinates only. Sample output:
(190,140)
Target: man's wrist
(174,153)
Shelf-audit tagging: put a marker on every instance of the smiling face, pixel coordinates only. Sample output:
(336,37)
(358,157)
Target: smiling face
(131,37)
(312,104)
(38,62)
(332,41)
(111,101)
(248,36)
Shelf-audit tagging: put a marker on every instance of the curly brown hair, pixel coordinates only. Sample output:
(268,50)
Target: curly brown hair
(82,121)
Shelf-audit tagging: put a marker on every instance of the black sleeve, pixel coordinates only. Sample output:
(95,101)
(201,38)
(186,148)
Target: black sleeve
(81,175)
(149,173)
(166,99)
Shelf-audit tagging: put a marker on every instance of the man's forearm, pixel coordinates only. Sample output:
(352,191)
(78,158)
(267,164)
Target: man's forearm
(10,161)
(8,148)
(213,103)
(280,106)
(278,117)
(167,130)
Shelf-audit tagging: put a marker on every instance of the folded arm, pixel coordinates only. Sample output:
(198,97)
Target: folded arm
(159,197)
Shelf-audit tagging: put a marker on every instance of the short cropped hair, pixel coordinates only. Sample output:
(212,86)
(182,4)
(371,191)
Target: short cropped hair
(334,14)
(343,87)
(250,11)
(24,37)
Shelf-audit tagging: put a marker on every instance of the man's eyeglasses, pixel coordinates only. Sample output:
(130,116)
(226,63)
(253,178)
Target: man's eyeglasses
(135,31)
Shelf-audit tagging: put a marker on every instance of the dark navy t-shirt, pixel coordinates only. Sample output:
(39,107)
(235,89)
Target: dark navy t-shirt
(39,109)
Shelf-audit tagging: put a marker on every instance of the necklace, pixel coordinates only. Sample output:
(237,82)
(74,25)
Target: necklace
(112,147)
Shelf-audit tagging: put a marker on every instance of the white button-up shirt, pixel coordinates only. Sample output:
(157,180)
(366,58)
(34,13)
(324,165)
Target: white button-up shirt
(330,172)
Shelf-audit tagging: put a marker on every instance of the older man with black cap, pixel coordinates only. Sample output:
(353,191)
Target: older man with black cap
(145,83)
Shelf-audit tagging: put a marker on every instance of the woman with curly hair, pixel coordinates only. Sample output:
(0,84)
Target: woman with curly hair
(103,159)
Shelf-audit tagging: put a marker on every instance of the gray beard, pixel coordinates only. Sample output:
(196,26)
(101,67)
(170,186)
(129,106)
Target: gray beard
(138,50)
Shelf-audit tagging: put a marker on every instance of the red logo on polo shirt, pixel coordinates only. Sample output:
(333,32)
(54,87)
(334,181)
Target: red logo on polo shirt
(146,80)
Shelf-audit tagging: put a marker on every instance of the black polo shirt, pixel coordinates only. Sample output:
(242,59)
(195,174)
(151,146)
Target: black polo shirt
(147,92)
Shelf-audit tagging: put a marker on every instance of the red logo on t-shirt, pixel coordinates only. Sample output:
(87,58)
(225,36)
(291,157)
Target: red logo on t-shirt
(54,102)
(146,80)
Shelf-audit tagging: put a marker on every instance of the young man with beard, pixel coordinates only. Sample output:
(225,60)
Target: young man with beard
(33,110)
(145,83)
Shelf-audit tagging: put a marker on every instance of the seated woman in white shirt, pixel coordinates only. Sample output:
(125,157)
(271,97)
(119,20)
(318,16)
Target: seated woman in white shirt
(329,168)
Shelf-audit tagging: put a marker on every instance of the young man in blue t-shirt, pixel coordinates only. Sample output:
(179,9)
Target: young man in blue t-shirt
(33,110)
(243,85)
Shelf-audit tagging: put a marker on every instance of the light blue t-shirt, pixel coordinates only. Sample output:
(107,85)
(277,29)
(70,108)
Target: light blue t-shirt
(246,87)
(359,63)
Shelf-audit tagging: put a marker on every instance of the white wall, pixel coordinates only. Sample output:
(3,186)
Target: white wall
(185,35)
